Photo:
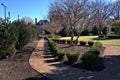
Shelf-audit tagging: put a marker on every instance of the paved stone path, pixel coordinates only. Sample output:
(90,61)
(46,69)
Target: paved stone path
(37,59)
(111,50)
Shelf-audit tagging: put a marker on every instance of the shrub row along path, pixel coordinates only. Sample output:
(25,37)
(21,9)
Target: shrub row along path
(42,61)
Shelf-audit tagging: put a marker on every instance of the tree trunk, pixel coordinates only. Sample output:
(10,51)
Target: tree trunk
(72,37)
(76,41)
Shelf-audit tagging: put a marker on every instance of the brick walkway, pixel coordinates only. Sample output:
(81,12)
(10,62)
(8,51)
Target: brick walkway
(111,50)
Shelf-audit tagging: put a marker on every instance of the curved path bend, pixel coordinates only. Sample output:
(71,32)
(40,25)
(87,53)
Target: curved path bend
(45,64)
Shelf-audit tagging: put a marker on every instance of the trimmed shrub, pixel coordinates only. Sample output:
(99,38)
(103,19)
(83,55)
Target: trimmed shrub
(56,50)
(83,43)
(89,59)
(90,43)
(68,41)
(72,57)
(64,41)
(112,36)
(54,39)
(60,54)
(96,48)
(60,41)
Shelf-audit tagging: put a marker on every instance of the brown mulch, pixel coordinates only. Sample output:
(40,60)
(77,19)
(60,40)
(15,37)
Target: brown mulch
(18,68)
(76,48)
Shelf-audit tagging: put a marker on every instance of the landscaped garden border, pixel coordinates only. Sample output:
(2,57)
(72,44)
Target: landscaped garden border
(89,58)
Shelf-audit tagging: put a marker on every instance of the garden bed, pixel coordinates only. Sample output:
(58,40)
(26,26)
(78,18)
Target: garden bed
(76,48)
(18,68)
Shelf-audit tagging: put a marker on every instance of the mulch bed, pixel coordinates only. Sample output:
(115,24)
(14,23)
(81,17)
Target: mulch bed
(18,68)
(81,50)
(107,68)
(75,48)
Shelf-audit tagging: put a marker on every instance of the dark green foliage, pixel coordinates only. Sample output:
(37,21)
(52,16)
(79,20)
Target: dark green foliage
(85,33)
(94,30)
(116,27)
(90,43)
(98,45)
(56,50)
(104,30)
(72,57)
(49,36)
(64,33)
(7,41)
(62,41)
(96,48)
(68,41)
(60,54)
(83,43)
(89,59)
(57,36)
(15,35)
(26,32)
(112,36)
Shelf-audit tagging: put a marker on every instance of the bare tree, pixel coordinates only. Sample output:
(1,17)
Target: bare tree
(101,14)
(71,14)
(116,10)
(52,28)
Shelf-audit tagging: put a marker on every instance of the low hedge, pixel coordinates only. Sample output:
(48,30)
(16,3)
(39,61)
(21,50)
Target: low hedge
(56,50)
(96,48)
(83,43)
(90,43)
(72,57)
(68,41)
(60,54)
(63,41)
(89,58)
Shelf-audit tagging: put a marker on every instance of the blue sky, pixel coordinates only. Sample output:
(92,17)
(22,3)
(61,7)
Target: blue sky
(26,8)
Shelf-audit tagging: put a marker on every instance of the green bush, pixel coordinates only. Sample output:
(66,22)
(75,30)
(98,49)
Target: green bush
(90,43)
(63,40)
(68,41)
(96,48)
(7,40)
(72,57)
(56,50)
(49,36)
(14,36)
(89,58)
(60,54)
(83,43)
(57,36)
(26,32)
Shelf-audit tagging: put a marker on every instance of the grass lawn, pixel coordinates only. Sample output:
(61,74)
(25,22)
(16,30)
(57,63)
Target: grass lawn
(95,38)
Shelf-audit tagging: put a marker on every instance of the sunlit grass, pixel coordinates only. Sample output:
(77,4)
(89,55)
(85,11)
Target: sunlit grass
(95,38)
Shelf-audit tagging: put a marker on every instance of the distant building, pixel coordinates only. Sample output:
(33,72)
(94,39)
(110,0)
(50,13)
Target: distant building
(40,25)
